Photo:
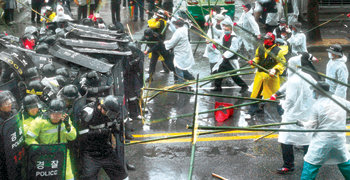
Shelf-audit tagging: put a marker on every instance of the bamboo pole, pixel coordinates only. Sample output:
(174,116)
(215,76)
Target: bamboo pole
(323,75)
(203,112)
(194,132)
(213,95)
(218,176)
(268,129)
(264,136)
(187,83)
(205,133)
(324,23)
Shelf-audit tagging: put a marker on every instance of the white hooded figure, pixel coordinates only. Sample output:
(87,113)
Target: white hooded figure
(327,147)
(247,21)
(211,51)
(183,57)
(337,69)
(297,104)
(297,40)
(60,16)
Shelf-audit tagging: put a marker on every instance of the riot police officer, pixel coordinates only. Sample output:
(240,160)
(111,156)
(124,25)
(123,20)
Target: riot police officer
(6,111)
(100,128)
(30,110)
(91,84)
(56,120)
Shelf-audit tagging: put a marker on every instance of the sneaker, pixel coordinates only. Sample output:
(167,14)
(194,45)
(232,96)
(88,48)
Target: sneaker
(248,117)
(284,170)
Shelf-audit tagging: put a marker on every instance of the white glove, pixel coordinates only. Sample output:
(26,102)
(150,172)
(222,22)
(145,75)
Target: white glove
(272,72)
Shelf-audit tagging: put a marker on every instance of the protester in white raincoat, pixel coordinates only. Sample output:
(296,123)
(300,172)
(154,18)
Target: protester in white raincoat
(61,16)
(247,21)
(230,41)
(297,107)
(337,69)
(183,57)
(211,52)
(327,147)
(297,40)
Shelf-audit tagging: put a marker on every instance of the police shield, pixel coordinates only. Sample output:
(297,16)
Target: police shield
(13,139)
(117,73)
(78,105)
(47,161)
(17,60)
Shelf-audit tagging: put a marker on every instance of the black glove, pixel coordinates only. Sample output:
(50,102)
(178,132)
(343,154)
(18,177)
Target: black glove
(66,123)
(300,123)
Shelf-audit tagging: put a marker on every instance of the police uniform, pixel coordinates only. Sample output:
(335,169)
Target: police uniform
(96,147)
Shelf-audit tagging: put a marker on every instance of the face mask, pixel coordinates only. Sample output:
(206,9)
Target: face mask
(281,27)
(268,42)
(227,32)
(330,55)
(283,37)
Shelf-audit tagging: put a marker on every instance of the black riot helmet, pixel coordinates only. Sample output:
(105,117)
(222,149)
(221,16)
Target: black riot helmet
(62,71)
(35,87)
(31,30)
(70,92)
(31,101)
(93,78)
(31,73)
(57,106)
(49,70)
(62,81)
(110,103)
(6,96)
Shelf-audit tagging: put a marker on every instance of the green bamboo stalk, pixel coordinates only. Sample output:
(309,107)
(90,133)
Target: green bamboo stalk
(324,23)
(203,112)
(187,83)
(213,95)
(268,129)
(323,75)
(191,82)
(194,132)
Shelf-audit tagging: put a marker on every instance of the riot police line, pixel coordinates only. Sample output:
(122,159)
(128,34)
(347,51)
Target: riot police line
(66,90)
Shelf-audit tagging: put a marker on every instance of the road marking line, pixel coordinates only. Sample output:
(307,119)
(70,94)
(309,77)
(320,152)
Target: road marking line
(183,133)
(221,138)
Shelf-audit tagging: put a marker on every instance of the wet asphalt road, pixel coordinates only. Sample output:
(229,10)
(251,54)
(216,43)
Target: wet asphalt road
(231,155)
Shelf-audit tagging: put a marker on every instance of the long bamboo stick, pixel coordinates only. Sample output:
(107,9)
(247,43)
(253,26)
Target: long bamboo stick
(323,75)
(213,95)
(203,112)
(194,132)
(268,129)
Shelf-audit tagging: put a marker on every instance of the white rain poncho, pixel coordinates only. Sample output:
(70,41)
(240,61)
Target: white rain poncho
(236,44)
(211,52)
(298,43)
(328,147)
(60,15)
(183,57)
(247,21)
(297,104)
(337,69)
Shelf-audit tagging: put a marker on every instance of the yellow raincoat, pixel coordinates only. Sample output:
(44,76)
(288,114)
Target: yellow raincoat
(264,84)
(42,131)
(52,15)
